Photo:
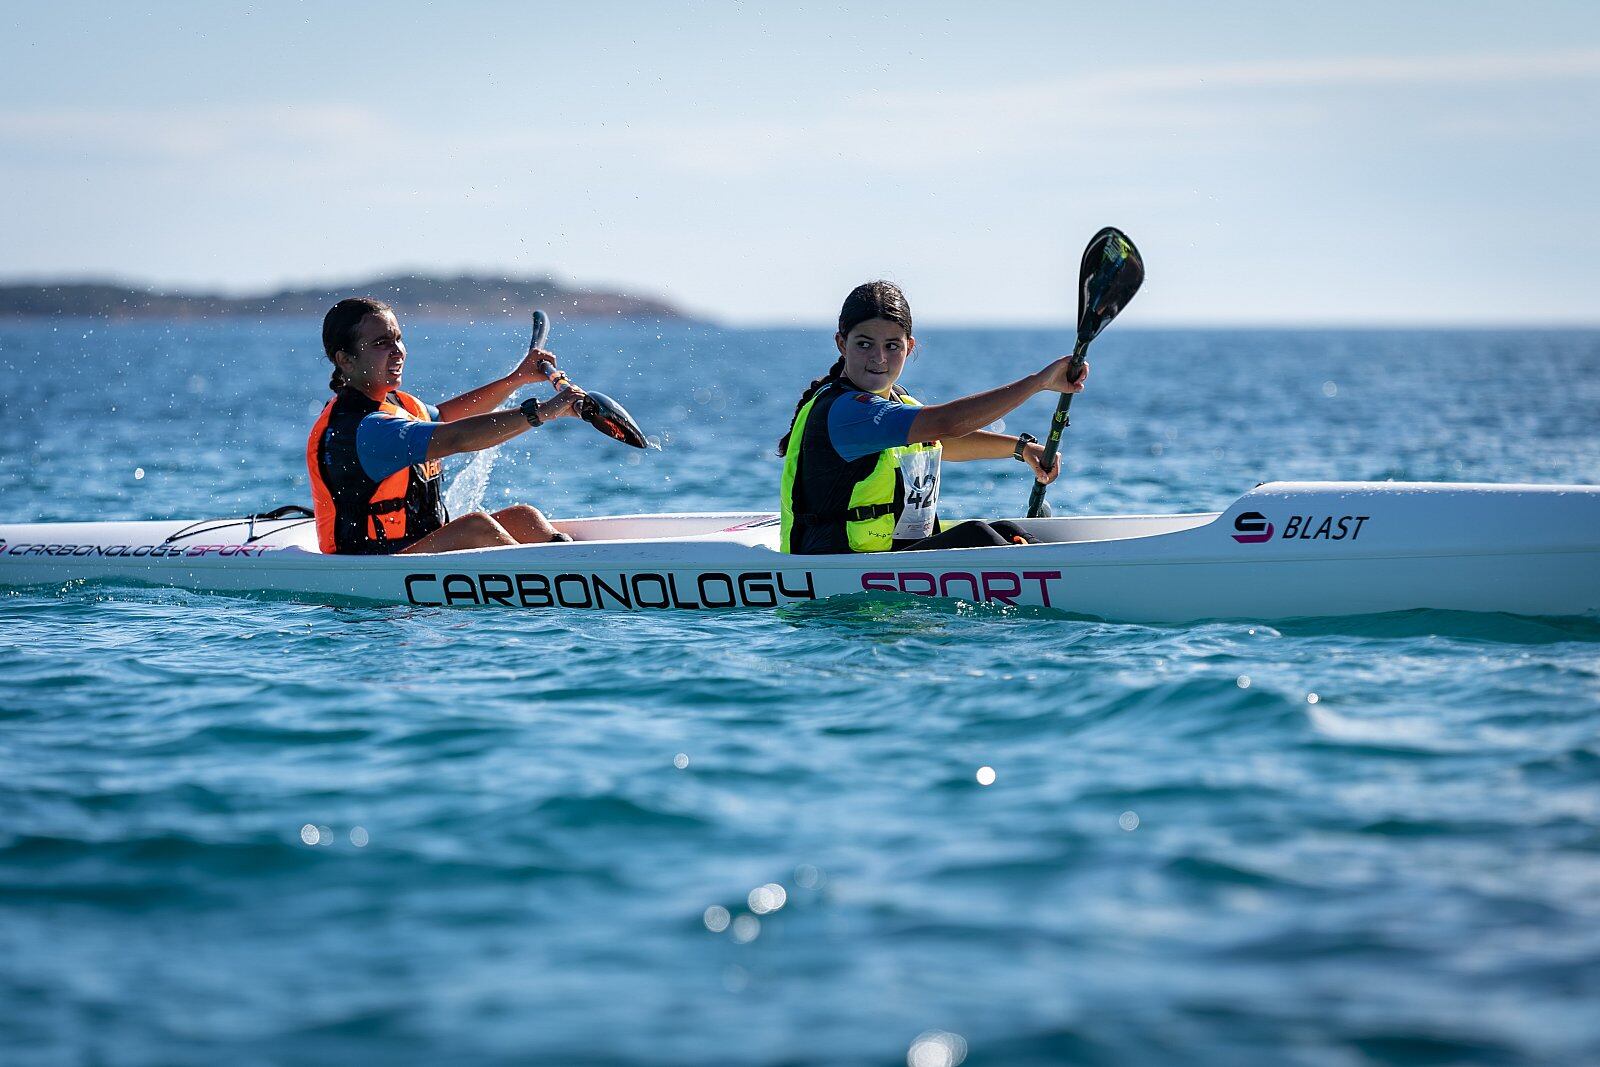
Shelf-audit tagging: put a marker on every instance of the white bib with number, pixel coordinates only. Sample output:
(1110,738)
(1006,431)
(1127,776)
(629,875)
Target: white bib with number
(919,471)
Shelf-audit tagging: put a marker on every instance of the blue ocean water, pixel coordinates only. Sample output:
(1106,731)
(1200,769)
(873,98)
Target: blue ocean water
(257,832)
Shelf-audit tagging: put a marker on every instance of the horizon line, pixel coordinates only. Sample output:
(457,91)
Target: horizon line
(1054,325)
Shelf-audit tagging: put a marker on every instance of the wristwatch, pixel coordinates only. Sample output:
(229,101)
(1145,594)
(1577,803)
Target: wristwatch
(1023,441)
(530,411)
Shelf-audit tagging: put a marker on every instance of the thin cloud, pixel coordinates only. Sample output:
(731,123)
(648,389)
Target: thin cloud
(192,133)
(1081,112)
(1356,71)
(1196,104)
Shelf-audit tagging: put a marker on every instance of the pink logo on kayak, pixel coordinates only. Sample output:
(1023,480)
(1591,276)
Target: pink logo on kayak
(1253,528)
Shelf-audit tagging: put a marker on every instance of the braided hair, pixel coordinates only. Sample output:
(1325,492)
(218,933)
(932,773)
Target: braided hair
(339,327)
(870,300)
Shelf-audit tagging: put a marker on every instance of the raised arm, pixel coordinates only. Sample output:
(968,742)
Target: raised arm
(477,432)
(969,414)
(486,398)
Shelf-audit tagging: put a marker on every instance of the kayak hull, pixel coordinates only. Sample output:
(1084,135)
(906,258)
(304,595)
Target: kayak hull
(1282,550)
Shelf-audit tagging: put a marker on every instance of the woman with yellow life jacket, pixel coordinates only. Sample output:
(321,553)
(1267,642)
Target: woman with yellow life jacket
(861,458)
(374,452)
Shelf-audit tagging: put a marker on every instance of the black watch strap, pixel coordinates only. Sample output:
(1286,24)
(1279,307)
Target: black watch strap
(530,411)
(1023,441)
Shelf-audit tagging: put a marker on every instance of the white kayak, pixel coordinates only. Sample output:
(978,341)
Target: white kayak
(1282,550)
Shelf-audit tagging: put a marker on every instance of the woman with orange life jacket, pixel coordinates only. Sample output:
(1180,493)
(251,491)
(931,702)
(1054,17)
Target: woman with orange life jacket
(861,458)
(373,455)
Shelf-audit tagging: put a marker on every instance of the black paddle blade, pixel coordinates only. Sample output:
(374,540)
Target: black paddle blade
(611,419)
(1111,273)
(541,329)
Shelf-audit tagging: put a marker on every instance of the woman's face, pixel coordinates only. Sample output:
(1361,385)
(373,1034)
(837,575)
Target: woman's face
(376,357)
(875,353)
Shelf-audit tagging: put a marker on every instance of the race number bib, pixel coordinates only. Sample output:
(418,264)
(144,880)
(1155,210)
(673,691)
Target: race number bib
(920,473)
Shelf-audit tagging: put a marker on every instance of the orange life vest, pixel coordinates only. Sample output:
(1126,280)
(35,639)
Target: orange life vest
(356,513)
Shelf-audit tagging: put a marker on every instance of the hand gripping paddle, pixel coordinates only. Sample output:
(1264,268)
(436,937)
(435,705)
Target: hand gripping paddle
(597,409)
(1110,274)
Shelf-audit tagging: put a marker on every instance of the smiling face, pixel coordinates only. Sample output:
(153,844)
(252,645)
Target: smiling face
(376,357)
(875,353)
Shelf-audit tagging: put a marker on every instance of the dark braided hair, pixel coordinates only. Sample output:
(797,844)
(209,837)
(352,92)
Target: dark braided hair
(339,329)
(868,301)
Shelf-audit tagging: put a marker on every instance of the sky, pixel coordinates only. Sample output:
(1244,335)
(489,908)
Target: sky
(1352,163)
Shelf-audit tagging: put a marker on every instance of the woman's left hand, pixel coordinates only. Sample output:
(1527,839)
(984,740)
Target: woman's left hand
(528,371)
(1034,454)
(564,403)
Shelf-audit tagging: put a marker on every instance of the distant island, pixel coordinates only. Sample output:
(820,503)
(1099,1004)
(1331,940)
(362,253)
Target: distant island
(461,297)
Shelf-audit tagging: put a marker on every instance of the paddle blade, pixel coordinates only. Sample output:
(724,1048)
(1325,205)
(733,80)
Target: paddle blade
(1111,272)
(541,330)
(611,419)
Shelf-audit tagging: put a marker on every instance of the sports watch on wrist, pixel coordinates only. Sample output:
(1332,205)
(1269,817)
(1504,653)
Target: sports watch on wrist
(530,411)
(1023,441)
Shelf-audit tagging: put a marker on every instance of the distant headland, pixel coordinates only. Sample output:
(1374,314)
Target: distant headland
(458,297)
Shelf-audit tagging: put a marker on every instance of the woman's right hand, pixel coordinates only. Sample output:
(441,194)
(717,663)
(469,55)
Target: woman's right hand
(530,371)
(564,403)
(1056,378)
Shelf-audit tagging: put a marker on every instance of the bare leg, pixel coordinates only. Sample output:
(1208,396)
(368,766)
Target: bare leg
(528,525)
(474,530)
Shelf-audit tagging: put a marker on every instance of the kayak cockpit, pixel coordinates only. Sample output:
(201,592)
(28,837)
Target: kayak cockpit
(761,530)
(1080,528)
(757,529)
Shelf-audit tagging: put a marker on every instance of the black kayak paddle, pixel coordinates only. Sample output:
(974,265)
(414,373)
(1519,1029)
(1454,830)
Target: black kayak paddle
(597,409)
(1110,274)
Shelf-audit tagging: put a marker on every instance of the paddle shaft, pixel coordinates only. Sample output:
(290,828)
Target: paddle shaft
(1052,441)
(558,378)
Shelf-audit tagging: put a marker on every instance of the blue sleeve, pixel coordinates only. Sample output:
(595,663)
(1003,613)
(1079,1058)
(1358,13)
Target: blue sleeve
(433,412)
(860,424)
(386,443)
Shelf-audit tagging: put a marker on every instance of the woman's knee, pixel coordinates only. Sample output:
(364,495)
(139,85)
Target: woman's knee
(478,522)
(529,524)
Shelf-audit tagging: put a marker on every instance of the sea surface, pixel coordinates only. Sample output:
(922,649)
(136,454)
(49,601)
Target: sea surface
(252,831)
